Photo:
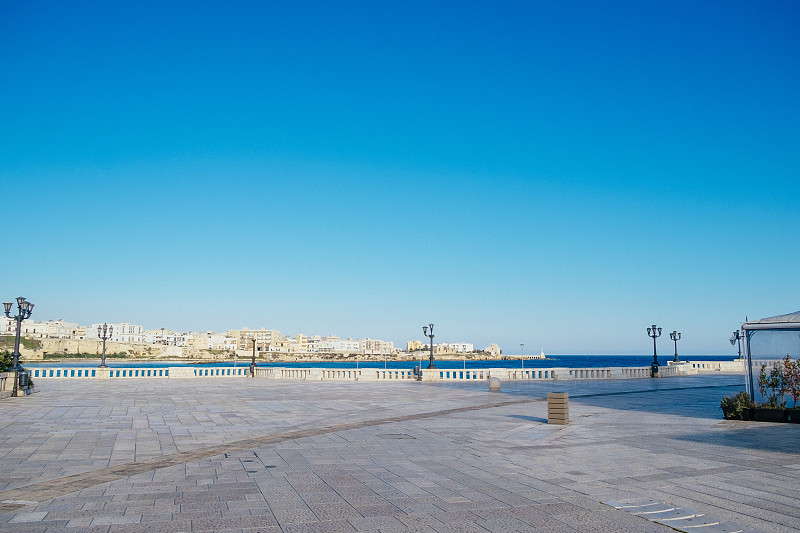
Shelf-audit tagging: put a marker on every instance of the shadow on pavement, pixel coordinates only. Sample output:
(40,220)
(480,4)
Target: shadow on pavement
(529,418)
(695,397)
(765,436)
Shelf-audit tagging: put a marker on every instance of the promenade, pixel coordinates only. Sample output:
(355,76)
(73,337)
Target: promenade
(281,456)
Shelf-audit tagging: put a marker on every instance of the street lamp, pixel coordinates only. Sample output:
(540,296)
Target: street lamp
(24,310)
(425,332)
(675,336)
(253,362)
(737,339)
(522,355)
(654,332)
(104,332)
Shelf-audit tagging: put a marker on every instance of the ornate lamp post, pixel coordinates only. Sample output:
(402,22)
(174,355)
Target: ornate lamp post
(104,332)
(736,338)
(24,310)
(253,362)
(675,336)
(654,332)
(425,332)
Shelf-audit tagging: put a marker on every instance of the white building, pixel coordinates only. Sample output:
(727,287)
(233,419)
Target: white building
(176,339)
(462,347)
(50,329)
(334,344)
(453,347)
(312,344)
(375,347)
(122,332)
(8,326)
(493,350)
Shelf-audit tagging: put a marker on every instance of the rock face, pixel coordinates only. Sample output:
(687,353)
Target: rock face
(94,347)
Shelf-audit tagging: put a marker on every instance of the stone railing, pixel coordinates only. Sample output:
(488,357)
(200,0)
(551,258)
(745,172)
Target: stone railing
(380,374)
(6,384)
(133,373)
(449,374)
(697,367)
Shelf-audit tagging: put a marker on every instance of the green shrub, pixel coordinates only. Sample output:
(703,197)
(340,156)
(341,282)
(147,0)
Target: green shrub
(734,406)
(5,360)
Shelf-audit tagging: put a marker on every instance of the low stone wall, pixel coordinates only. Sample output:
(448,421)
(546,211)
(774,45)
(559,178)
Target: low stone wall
(137,373)
(699,367)
(6,384)
(380,374)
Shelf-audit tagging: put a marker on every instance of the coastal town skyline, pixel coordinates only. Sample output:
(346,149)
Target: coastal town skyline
(556,175)
(241,339)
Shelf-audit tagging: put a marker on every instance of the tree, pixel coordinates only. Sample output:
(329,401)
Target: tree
(791,378)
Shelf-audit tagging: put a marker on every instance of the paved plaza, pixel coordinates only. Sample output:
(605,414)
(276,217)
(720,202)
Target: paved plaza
(294,456)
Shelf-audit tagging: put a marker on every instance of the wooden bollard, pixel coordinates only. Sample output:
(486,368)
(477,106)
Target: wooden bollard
(558,408)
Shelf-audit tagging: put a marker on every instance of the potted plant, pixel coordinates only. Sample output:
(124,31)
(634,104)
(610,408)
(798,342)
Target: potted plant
(771,387)
(737,407)
(791,384)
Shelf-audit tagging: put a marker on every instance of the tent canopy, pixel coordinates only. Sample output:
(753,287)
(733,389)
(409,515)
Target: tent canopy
(769,339)
(791,320)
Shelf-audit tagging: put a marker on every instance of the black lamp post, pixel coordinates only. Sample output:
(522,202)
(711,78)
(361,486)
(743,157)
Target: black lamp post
(104,332)
(24,310)
(675,336)
(425,332)
(253,362)
(736,338)
(654,332)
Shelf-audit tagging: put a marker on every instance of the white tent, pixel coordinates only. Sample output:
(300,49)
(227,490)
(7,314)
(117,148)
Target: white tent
(769,339)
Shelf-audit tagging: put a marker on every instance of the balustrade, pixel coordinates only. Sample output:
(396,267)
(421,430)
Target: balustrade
(127,373)
(372,374)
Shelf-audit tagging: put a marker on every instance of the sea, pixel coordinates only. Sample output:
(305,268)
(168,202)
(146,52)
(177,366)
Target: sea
(567,361)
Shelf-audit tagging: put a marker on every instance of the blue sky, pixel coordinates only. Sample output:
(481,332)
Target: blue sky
(559,174)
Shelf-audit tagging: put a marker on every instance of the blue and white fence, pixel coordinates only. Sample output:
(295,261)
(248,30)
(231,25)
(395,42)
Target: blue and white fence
(375,374)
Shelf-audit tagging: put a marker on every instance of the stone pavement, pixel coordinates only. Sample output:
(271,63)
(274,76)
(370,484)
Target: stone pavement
(282,456)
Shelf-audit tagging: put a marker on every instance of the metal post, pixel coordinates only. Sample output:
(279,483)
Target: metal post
(253,362)
(748,363)
(16,355)
(522,355)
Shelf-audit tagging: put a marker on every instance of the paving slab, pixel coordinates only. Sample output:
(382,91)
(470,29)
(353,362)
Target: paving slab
(261,455)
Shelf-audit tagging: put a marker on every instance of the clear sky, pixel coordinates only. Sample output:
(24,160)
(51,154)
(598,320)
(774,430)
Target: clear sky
(558,174)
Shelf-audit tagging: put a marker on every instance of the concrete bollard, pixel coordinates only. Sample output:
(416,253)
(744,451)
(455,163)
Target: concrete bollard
(558,408)
(494,384)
